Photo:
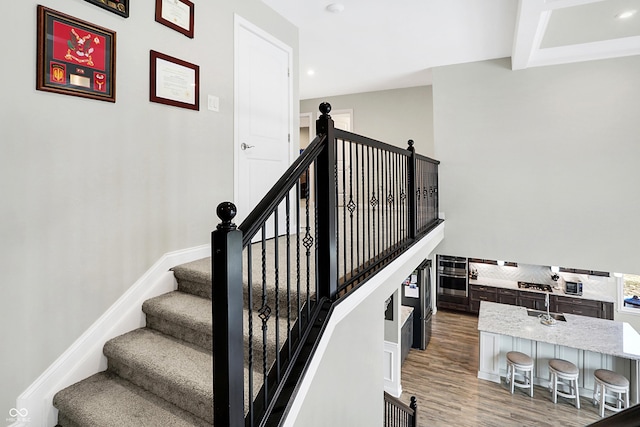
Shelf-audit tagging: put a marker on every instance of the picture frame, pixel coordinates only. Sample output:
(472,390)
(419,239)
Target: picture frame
(176,14)
(173,81)
(119,7)
(75,57)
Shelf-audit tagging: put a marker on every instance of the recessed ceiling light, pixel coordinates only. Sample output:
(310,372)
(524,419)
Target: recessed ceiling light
(310,72)
(335,7)
(626,14)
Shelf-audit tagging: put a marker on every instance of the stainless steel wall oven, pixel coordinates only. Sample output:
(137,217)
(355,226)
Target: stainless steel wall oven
(452,275)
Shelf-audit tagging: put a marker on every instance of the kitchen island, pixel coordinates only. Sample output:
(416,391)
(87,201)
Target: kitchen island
(589,343)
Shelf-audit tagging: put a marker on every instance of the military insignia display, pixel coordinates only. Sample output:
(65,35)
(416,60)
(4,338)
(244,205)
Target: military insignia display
(120,7)
(75,57)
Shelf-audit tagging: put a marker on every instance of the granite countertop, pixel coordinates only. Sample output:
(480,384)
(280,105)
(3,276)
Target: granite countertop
(580,332)
(405,312)
(510,284)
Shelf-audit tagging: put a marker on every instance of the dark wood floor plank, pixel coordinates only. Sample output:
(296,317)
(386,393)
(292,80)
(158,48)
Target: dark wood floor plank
(444,380)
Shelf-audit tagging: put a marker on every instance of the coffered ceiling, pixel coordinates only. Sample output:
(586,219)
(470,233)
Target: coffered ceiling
(374,45)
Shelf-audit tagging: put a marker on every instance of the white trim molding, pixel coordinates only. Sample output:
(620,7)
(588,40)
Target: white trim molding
(391,370)
(84,357)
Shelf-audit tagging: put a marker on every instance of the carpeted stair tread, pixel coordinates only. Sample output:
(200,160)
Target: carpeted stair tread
(196,271)
(183,316)
(173,370)
(105,400)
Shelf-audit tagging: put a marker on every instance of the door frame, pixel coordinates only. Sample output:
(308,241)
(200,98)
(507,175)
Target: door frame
(241,23)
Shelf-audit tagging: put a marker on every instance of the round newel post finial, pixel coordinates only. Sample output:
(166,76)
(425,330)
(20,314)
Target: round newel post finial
(411,148)
(325,108)
(226,212)
(414,403)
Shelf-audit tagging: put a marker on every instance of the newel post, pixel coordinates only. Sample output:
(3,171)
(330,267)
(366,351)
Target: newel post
(326,207)
(228,360)
(413,191)
(414,405)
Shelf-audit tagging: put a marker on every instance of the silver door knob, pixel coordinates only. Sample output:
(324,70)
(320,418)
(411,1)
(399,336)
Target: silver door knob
(245,146)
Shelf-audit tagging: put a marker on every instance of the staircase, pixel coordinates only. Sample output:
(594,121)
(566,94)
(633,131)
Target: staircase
(159,375)
(162,374)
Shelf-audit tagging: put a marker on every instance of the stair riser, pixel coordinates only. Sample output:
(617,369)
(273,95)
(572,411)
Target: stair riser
(203,340)
(200,289)
(186,398)
(63,421)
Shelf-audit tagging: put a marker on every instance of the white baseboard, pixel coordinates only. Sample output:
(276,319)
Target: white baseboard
(84,357)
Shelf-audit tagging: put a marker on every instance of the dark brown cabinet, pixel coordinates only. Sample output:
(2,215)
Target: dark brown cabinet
(582,307)
(607,310)
(479,293)
(452,302)
(507,296)
(534,300)
(406,338)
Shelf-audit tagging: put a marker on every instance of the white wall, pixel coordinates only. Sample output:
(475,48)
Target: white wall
(391,116)
(93,193)
(540,166)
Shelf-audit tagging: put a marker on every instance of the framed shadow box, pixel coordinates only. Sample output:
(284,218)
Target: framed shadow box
(119,7)
(75,57)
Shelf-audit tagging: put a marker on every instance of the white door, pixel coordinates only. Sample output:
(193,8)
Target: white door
(263,114)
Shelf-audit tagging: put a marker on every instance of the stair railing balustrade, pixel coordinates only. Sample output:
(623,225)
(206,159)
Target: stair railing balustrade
(343,210)
(399,414)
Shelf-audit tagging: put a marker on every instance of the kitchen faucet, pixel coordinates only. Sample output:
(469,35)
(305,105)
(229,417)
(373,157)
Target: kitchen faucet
(546,319)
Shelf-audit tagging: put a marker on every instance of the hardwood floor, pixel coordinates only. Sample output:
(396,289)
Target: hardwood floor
(444,380)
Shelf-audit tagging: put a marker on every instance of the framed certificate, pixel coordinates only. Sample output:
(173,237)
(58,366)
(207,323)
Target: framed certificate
(119,7)
(174,81)
(176,14)
(75,57)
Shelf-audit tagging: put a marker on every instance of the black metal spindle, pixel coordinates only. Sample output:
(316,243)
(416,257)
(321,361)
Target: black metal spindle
(288,262)
(351,205)
(308,243)
(250,325)
(264,314)
(276,268)
(298,277)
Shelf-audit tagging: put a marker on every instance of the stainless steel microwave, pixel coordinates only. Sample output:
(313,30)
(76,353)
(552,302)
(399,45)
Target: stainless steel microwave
(573,288)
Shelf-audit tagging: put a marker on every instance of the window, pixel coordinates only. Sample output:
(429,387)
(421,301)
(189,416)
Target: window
(631,291)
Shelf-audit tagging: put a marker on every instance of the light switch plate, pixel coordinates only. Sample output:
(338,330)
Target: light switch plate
(213,103)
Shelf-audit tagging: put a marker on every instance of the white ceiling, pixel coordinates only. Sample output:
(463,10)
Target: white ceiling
(373,45)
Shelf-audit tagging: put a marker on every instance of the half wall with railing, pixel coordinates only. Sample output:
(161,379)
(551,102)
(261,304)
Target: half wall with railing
(344,209)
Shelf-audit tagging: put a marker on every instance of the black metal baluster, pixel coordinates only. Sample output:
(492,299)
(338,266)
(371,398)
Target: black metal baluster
(376,179)
(288,261)
(298,278)
(359,203)
(351,206)
(250,337)
(308,243)
(276,267)
(264,313)
(344,211)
